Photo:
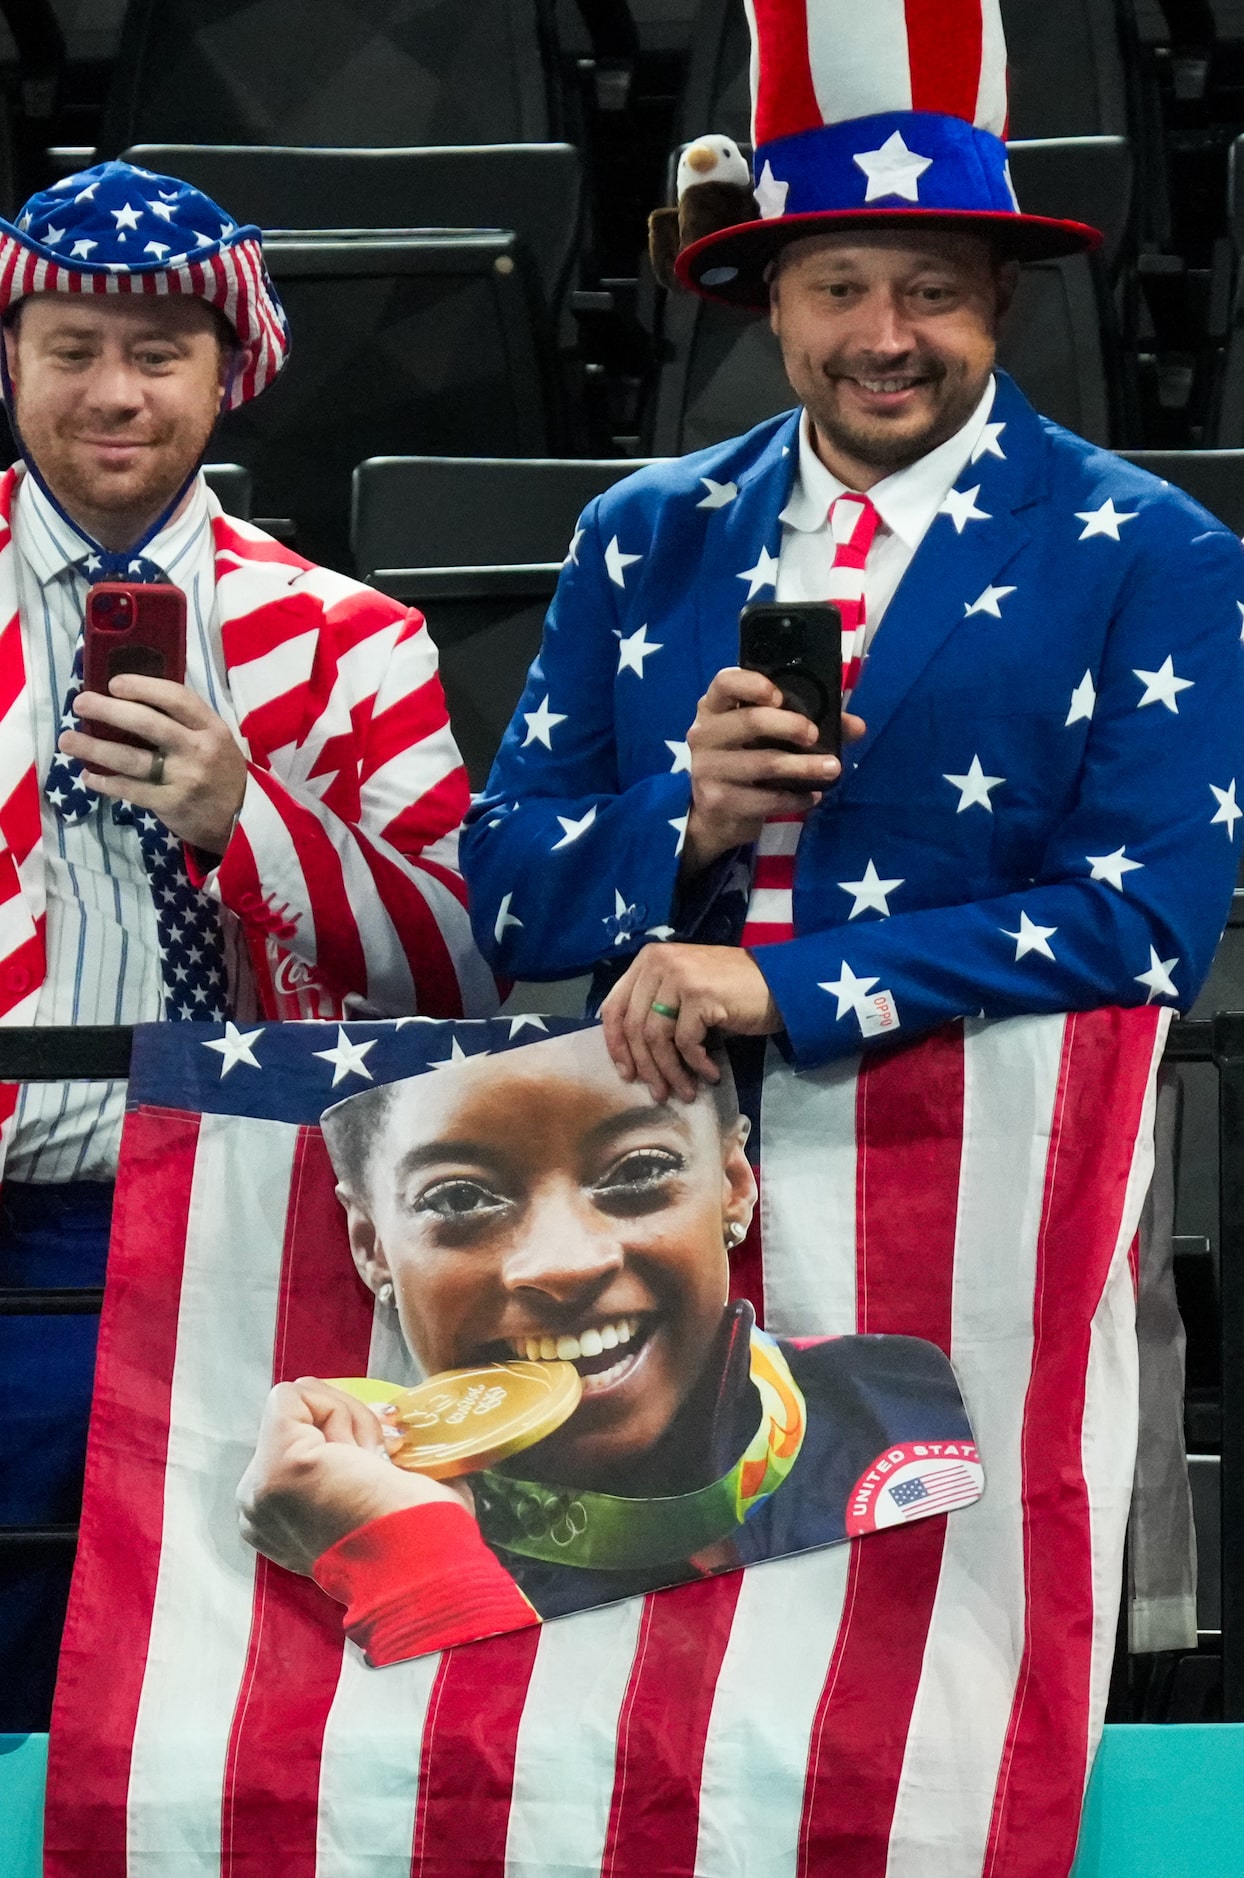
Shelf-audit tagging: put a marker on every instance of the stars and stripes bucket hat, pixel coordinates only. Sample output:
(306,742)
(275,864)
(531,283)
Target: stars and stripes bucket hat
(118,229)
(874,116)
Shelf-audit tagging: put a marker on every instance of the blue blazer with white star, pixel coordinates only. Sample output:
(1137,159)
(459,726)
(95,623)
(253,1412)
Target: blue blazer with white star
(1046,792)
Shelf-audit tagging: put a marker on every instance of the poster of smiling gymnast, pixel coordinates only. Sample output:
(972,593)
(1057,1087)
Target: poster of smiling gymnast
(598,1417)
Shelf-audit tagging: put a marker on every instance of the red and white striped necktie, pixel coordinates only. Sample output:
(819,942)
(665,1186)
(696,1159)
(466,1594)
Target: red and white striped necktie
(770,908)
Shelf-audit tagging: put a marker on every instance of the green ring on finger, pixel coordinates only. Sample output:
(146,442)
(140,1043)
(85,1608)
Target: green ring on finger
(664,1010)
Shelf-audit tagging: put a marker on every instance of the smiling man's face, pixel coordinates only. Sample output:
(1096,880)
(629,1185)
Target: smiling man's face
(540,1208)
(888,339)
(116,399)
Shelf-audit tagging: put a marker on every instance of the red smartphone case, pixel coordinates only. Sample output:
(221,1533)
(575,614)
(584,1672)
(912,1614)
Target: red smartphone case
(132,626)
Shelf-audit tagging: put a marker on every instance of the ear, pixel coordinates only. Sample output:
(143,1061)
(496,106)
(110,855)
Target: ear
(1007,282)
(739,1193)
(365,1247)
(10,352)
(771,276)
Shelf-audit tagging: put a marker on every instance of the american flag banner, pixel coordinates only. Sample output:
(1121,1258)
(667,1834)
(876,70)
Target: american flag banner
(924,1698)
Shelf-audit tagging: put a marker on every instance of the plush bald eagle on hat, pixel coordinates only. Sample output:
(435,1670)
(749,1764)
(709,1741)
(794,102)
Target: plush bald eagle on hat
(714,191)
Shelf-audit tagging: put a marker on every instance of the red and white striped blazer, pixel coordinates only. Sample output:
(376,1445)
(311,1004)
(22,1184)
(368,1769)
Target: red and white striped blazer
(343,865)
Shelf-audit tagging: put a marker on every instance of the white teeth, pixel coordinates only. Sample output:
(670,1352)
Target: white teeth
(591,1342)
(886,384)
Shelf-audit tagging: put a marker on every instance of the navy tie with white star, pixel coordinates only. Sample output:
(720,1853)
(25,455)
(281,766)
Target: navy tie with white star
(192,956)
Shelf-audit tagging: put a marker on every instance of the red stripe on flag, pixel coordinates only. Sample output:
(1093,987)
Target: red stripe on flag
(114,1586)
(466,1769)
(909,1127)
(945,46)
(782,34)
(655,1814)
(1106,1063)
(323,1328)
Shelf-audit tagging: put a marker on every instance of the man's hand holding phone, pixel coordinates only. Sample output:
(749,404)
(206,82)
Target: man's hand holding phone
(197,788)
(738,780)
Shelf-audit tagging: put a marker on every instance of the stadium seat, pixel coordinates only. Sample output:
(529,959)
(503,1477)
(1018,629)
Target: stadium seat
(477,545)
(334,72)
(1225,427)
(1215,479)
(439,338)
(233,485)
(536,189)
(723,373)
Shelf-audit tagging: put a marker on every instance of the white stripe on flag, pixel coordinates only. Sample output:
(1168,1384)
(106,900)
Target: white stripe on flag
(859,61)
(807,1197)
(991,99)
(201,1620)
(967,1684)
(769,906)
(568,1743)
(764,1705)
(369,1768)
(780,836)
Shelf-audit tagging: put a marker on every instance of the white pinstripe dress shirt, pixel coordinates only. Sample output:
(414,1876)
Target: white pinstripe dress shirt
(102,953)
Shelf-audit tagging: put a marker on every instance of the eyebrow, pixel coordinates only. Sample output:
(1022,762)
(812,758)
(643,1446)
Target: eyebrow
(141,335)
(482,1154)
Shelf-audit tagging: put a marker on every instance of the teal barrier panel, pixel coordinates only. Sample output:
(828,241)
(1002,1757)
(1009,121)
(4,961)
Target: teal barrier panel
(1162,1803)
(23,1765)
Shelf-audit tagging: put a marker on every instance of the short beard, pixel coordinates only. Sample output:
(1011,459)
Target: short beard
(877,445)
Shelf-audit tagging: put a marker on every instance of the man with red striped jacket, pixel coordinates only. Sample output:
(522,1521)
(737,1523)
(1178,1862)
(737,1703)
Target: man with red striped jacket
(281,843)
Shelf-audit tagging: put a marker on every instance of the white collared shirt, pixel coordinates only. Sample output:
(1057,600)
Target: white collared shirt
(907,501)
(103,964)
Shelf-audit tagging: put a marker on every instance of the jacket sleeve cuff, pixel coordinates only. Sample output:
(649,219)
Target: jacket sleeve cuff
(420,1580)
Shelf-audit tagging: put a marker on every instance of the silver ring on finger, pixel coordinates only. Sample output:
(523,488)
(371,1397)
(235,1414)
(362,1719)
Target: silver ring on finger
(156,773)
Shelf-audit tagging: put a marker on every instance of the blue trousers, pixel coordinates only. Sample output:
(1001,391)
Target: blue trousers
(50,1237)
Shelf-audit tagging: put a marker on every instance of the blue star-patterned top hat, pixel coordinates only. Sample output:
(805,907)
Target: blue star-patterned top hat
(119,229)
(854,125)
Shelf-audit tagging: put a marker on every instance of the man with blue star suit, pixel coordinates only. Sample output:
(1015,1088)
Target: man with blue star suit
(1036,808)
(281,843)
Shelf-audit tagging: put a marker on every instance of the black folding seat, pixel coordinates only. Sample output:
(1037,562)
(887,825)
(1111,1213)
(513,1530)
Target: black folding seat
(234,485)
(438,338)
(334,72)
(1214,478)
(723,372)
(536,189)
(1225,427)
(477,545)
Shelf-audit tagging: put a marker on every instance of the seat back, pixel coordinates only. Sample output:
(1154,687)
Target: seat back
(477,545)
(536,189)
(233,486)
(333,72)
(1215,479)
(438,338)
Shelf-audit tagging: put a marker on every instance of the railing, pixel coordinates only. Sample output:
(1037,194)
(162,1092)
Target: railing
(99,1054)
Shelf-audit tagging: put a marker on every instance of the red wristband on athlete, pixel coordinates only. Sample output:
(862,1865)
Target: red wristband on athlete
(420,1580)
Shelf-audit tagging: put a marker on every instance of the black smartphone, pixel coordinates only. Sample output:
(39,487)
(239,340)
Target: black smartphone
(799,647)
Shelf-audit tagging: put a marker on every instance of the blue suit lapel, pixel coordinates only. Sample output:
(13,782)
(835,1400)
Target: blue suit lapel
(744,537)
(950,570)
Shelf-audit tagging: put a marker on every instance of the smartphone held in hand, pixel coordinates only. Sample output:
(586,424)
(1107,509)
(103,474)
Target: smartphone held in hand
(132,626)
(799,646)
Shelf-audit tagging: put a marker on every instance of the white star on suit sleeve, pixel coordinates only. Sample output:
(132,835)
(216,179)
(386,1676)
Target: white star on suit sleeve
(540,723)
(679,825)
(960,505)
(1162,686)
(681,753)
(1107,520)
(1240,604)
(1112,867)
(573,830)
(634,649)
(987,602)
(235,1047)
(505,918)
(974,788)
(1083,701)
(849,990)
(718,494)
(870,893)
(616,563)
(1229,810)
(770,193)
(1158,977)
(987,443)
(660,932)
(572,552)
(893,170)
(764,574)
(1030,938)
(347,1058)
